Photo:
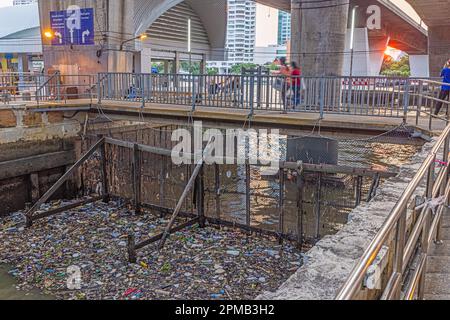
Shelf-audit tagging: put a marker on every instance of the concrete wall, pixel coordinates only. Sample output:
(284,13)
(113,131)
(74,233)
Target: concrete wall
(328,264)
(19,124)
(80,59)
(35,150)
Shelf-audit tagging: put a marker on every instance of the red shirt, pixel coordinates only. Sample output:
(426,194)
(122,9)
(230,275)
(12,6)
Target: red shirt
(296,73)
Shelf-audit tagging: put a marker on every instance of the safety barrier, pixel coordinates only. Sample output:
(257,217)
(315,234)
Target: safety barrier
(409,244)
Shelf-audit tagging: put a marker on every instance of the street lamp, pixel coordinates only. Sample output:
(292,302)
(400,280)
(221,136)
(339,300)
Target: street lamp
(48,34)
(352,39)
(141,37)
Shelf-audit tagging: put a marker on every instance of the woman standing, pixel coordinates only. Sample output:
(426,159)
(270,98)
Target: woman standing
(445,89)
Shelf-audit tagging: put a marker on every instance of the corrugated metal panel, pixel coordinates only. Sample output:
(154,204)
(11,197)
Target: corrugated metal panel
(173,25)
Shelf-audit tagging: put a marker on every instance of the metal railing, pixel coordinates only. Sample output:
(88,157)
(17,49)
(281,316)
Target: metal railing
(370,96)
(366,96)
(409,244)
(34,87)
(426,96)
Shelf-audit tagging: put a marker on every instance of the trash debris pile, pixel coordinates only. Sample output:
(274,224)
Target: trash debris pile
(82,254)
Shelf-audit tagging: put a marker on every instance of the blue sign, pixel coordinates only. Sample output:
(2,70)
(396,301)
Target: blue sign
(74,26)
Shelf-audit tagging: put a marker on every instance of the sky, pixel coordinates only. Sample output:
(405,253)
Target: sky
(5,3)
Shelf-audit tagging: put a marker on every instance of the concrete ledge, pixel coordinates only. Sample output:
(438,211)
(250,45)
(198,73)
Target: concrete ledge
(329,263)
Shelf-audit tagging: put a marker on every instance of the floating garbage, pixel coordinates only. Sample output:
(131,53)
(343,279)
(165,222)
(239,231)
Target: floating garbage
(196,263)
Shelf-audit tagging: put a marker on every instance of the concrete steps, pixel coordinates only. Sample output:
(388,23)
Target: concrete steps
(437,283)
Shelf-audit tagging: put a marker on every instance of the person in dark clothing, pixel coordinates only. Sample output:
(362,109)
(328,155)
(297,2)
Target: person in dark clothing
(445,89)
(295,83)
(285,73)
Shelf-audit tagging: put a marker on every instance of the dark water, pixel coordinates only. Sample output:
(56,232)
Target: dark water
(8,289)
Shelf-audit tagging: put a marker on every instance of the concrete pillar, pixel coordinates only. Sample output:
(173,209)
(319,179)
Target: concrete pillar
(296,23)
(323,34)
(419,65)
(143,61)
(439,48)
(361,61)
(113,24)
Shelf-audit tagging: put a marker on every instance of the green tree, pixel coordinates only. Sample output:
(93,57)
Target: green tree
(393,68)
(193,67)
(237,68)
(212,71)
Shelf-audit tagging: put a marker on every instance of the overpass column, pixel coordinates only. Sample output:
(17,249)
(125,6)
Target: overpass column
(323,37)
(419,65)
(296,26)
(438,47)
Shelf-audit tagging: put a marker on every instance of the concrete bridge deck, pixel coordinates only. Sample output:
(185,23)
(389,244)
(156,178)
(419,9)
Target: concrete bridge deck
(297,119)
(437,283)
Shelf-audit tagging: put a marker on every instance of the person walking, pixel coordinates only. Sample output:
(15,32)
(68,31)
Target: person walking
(295,84)
(285,73)
(445,89)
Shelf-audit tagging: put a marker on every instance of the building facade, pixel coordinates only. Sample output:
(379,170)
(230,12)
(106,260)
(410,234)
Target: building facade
(241,31)
(284,27)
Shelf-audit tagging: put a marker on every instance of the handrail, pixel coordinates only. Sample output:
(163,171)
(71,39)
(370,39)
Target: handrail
(358,273)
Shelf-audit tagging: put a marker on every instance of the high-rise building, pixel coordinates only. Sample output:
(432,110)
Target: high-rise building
(241,31)
(284,27)
(23,2)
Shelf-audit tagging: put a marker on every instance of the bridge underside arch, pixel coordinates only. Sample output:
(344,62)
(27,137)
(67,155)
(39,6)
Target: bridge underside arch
(165,23)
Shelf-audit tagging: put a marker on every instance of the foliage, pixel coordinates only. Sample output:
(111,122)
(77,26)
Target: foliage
(237,68)
(212,71)
(400,68)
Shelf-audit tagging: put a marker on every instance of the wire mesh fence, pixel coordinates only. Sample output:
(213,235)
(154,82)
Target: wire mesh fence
(298,204)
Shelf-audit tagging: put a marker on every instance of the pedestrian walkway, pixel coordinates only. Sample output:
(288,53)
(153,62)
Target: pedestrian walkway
(437,282)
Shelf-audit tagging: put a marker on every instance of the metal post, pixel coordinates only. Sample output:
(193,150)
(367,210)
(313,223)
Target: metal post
(419,102)
(217,188)
(259,87)
(247,195)
(406,101)
(317,206)
(143,91)
(252,94)
(104,175)
(193,93)
(281,207)
(58,86)
(200,200)
(132,258)
(136,178)
(322,97)
(300,187)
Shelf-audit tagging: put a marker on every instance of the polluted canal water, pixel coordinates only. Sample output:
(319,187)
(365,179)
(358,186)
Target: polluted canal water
(8,290)
(216,262)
